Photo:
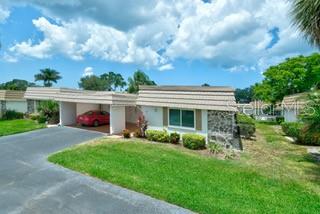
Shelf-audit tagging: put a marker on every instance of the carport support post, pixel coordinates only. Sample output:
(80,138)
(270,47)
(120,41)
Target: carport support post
(117,119)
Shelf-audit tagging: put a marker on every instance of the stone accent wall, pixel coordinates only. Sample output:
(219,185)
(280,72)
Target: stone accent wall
(31,106)
(222,129)
(3,107)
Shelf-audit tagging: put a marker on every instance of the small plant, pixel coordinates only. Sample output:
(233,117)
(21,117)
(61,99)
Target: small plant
(215,148)
(174,138)
(137,134)
(229,154)
(142,124)
(126,133)
(194,141)
(158,136)
(34,116)
(12,115)
(279,119)
(41,119)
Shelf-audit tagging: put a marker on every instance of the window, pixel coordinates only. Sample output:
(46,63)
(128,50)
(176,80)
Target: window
(183,118)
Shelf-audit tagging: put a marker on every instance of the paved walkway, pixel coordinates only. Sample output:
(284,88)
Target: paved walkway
(30,184)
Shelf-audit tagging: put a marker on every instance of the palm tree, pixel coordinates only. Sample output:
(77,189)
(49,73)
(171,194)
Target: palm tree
(48,76)
(306,16)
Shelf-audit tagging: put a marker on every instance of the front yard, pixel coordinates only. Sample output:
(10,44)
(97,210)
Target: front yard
(271,176)
(9,127)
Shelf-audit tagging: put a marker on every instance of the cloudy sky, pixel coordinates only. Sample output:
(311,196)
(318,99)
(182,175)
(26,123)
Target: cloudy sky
(183,42)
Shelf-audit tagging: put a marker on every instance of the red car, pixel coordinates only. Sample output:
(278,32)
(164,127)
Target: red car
(94,118)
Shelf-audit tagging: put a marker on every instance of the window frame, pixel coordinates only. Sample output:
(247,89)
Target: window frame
(182,127)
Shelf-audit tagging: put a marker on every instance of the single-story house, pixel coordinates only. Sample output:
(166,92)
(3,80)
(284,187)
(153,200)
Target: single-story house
(209,111)
(14,100)
(292,106)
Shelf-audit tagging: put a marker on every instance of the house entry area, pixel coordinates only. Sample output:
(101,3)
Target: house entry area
(104,111)
(109,119)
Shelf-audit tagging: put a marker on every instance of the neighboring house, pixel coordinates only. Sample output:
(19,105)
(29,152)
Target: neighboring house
(14,100)
(292,106)
(209,111)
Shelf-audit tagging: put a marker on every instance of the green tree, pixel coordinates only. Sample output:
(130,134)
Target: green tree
(139,78)
(16,84)
(306,16)
(205,85)
(93,83)
(114,81)
(244,95)
(295,75)
(48,76)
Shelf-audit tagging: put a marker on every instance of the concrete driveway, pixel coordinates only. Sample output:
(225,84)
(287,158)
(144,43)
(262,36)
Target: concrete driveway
(30,184)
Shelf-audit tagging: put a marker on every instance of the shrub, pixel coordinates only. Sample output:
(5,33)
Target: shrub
(215,148)
(42,119)
(158,136)
(246,125)
(174,138)
(292,129)
(142,125)
(12,115)
(137,133)
(34,116)
(309,136)
(50,110)
(194,141)
(280,119)
(126,133)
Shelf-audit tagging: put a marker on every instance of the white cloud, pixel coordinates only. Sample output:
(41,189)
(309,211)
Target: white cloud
(8,58)
(232,34)
(4,14)
(166,67)
(88,71)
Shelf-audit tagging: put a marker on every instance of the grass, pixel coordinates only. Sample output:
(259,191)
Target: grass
(9,127)
(274,156)
(185,178)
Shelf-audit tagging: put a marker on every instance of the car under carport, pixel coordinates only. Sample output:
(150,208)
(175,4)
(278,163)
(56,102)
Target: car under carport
(121,106)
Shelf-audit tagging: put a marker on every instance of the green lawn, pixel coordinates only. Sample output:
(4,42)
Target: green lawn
(187,179)
(9,127)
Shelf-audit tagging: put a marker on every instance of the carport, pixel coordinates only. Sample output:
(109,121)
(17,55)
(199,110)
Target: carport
(121,106)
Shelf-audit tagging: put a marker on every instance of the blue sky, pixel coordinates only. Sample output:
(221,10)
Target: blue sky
(222,42)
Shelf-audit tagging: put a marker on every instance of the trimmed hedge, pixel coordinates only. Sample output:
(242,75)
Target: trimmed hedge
(246,125)
(194,141)
(158,136)
(174,138)
(12,115)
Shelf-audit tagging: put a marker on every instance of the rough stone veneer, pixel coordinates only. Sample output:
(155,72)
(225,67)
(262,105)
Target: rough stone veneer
(222,129)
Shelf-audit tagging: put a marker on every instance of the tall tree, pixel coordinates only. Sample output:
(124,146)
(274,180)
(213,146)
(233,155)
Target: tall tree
(48,76)
(93,83)
(16,84)
(139,78)
(306,16)
(295,75)
(244,95)
(114,81)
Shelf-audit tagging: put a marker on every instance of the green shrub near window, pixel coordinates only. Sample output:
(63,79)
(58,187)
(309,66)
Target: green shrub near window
(194,141)
(174,138)
(246,125)
(34,116)
(158,136)
(12,115)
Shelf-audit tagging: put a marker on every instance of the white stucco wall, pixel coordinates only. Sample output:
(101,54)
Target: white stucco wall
(19,106)
(290,115)
(154,115)
(84,107)
(132,114)
(117,119)
(68,113)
